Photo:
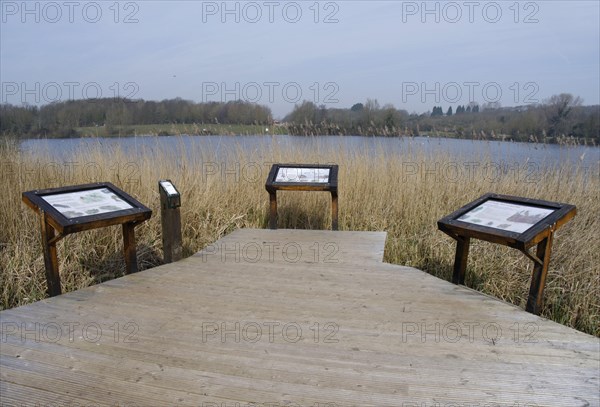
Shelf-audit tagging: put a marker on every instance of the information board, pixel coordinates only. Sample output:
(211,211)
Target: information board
(77,208)
(302,177)
(85,203)
(505,215)
(513,221)
(295,174)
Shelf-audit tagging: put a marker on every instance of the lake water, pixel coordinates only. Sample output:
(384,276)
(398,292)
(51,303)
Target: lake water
(452,159)
(508,153)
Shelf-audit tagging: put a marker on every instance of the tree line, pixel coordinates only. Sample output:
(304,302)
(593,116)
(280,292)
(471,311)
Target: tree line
(63,119)
(558,119)
(471,108)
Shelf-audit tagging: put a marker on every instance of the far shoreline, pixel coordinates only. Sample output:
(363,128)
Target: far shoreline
(200,130)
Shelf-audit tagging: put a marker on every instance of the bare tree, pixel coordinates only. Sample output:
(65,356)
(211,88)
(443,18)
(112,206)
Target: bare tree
(558,109)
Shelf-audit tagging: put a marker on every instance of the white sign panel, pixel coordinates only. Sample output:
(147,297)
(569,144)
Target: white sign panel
(505,216)
(86,203)
(168,187)
(289,174)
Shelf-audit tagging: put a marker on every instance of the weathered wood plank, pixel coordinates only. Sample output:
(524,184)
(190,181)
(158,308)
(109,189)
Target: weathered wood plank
(186,334)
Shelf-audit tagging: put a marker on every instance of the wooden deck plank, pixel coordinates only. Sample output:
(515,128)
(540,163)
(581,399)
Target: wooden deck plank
(397,336)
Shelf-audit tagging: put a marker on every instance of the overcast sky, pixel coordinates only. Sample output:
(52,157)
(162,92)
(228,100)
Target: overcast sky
(413,55)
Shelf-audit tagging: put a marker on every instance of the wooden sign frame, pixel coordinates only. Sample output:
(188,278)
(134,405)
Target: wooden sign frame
(272,186)
(56,224)
(540,233)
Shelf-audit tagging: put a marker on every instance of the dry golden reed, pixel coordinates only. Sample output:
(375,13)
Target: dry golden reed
(403,194)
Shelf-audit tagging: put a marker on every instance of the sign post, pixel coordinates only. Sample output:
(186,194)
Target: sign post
(302,177)
(73,209)
(520,223)
(170,201)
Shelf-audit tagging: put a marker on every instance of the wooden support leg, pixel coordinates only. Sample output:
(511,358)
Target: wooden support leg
(171,234)
(50,257)
(538,278)
(273,210)
(131,265)
(334,211)
(460,259)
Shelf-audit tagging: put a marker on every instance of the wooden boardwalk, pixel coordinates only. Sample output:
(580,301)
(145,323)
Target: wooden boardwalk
(290,318)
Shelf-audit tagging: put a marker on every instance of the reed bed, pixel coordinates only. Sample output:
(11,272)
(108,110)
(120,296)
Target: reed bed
(403,194)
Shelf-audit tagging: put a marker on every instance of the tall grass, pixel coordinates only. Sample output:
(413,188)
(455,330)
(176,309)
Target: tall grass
(402,194)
